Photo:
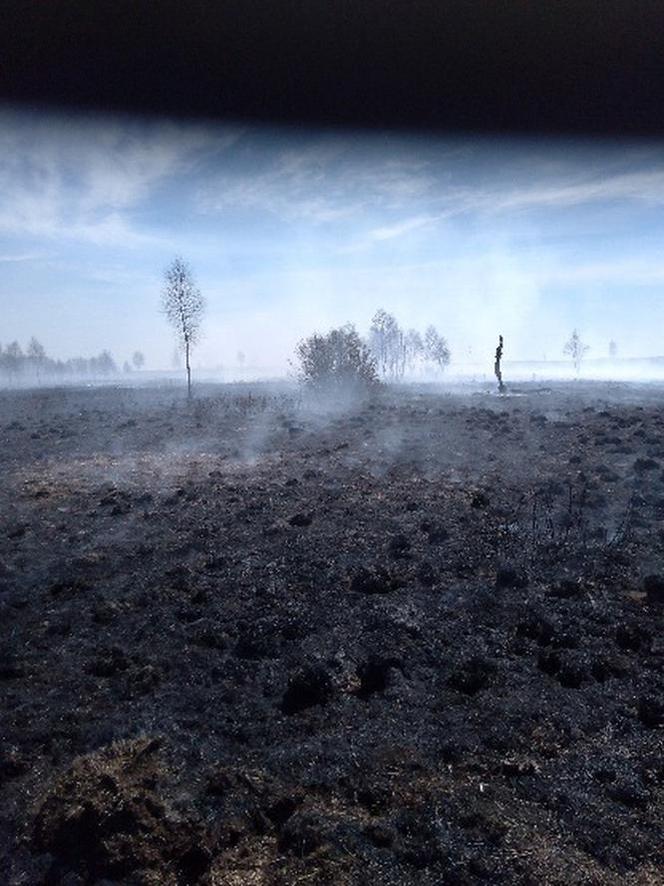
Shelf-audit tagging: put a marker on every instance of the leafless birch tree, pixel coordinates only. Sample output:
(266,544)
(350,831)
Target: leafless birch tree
(183,305)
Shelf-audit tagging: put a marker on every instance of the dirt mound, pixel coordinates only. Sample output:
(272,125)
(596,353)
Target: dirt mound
(106,818)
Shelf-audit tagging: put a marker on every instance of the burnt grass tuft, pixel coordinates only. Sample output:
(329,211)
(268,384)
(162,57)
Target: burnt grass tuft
(414,641)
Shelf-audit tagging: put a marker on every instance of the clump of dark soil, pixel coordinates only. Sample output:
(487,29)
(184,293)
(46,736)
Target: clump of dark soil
(508,576)
(307,688)
(472,676)
(105,818)
(653,585)
(374,674)
(374,580)
(651,712)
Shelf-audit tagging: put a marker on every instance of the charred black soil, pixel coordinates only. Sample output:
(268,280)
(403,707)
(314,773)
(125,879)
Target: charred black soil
(417,641)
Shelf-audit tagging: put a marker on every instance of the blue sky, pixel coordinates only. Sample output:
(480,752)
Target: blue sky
(290,231)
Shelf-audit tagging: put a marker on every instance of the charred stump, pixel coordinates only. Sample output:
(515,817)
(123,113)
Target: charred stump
(496,368)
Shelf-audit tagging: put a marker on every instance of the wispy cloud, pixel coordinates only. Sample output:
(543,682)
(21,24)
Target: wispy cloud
(390,232)
(80,179)
(567,191)
(19,257)
(327,180)
(330,180)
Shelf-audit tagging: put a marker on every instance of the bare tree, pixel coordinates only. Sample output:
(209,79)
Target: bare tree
(613,350)
(378,339)
(436,349)
(13,357)
(104,363)
(414,348)
(14,351)
(138,359)
(36,355)
(576,349)
(183,305)
(386,341)
(35,350)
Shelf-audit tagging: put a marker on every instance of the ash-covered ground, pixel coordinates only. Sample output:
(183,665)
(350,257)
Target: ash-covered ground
(260,640)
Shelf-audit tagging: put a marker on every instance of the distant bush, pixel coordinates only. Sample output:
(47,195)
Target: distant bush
(339,360)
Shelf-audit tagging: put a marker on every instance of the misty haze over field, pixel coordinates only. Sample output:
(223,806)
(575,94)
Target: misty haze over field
(290,232)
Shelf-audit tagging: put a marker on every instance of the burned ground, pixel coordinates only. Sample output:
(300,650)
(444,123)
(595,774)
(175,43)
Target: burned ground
(246,640)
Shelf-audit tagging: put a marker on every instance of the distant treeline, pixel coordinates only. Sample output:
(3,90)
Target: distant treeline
(34,363)
(397,351)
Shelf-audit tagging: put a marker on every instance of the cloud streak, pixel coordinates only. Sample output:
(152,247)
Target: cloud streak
(390,232)
(338,179)
(80,178)
(643,187)
(328,180)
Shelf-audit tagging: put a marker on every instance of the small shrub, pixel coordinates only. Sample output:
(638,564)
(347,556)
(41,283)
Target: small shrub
(338,361)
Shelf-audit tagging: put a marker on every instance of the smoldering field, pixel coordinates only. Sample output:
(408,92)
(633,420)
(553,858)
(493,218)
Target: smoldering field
(256,639)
